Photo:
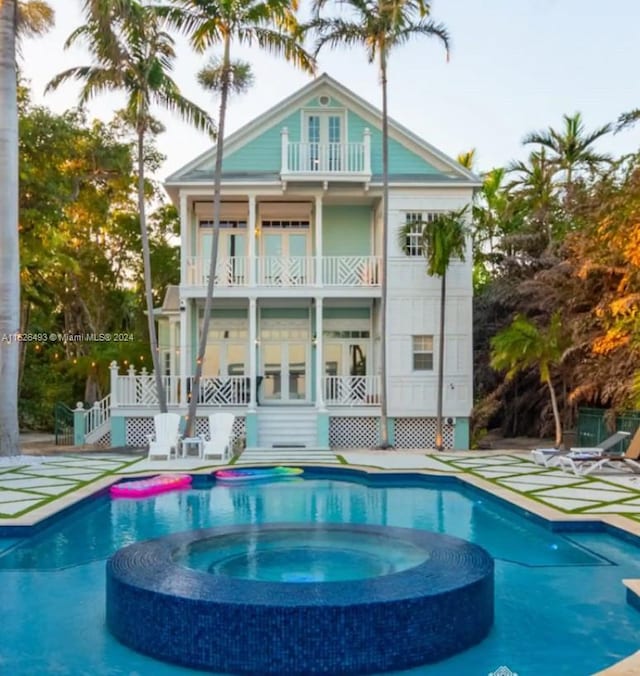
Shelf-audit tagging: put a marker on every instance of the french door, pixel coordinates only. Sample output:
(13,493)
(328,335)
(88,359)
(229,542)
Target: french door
(230,266)
(285,368)
(345,368)
(324,136)
(285,257)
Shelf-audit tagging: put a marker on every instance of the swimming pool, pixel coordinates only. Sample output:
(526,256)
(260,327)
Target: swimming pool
(559,602)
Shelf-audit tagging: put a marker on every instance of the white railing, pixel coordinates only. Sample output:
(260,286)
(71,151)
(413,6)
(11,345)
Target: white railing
(352,390)
(326,158)
(222,391)
(97,415)
(345,160)
(229,271)
(351,270)
(286,270)
(139,390)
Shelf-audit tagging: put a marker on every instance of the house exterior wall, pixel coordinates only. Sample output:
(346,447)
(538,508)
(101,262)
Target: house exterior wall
(347,230)
(414,310)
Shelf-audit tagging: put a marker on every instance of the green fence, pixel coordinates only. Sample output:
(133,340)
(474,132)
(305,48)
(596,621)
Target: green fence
(593,427)
(63,425)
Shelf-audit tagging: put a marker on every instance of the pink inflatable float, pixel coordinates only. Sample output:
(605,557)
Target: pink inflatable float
(151,486)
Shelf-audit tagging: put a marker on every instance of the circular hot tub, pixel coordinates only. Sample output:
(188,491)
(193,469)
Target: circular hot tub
(301,598)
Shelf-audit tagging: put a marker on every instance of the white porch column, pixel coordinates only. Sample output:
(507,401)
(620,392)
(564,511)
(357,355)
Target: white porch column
(185,316)
(318,240)
(185,239)
(251,236)
(113,377)
(319,357)
(367,151)
(284,142)
(253,361)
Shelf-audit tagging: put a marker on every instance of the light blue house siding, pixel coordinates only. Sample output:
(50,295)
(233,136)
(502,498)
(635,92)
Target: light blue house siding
(263,153)
(346,230)
(401,159)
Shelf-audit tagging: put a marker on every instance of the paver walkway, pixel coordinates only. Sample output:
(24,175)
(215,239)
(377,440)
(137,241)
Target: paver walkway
(46,480)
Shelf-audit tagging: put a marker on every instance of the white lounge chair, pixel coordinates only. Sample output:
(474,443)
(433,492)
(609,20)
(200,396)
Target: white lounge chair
(582,465)
(220,436)
(166,437)
(550,457)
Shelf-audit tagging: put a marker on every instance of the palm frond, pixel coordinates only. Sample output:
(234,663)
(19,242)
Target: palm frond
(238,75)
(34,17)
(427,28)
(279,44)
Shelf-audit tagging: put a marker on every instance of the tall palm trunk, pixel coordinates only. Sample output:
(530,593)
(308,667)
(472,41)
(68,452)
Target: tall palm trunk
(384,432)
(217,182)
(556,413)
(440,386)
(9,248)
(146,265)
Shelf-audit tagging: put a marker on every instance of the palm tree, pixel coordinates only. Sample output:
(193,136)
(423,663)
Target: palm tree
(534,186)
(16,19)
(269,24)
(442,240)
(571,148)
(379,26)
(523,345)
(134,54)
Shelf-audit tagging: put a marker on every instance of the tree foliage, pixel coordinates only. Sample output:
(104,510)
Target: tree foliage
(573,246)
(81,273)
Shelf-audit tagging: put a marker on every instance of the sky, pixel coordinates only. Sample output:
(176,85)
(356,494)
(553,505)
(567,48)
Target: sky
(516,66)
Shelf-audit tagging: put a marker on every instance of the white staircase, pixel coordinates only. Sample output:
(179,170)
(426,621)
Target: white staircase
(97,420)
(287,427)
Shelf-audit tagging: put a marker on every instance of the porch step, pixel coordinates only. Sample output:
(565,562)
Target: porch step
(287,427)
(285,456)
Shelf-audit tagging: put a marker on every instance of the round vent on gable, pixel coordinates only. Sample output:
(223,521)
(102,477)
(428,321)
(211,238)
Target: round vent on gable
(323,100)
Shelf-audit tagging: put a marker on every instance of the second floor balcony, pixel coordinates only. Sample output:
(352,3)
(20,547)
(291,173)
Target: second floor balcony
(286,271)
(326,161)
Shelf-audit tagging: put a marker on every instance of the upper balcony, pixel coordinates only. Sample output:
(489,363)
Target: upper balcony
(287,272)
(310,161)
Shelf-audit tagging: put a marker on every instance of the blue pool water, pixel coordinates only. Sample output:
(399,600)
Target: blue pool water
(560,603)
(282,556)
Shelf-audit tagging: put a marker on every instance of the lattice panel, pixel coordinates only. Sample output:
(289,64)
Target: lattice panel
(139,428)
(420,433)
(202,427)
(104,440)
(353,432)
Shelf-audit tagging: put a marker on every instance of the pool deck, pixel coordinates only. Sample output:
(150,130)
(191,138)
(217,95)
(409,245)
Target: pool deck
(35,487)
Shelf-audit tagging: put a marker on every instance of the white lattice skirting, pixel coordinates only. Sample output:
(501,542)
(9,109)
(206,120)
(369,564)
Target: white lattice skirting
(409,433)
(420,433)
(353,432)
(138,429)
(104,440)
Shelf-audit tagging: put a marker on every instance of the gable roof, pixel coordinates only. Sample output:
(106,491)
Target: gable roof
(199,168)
